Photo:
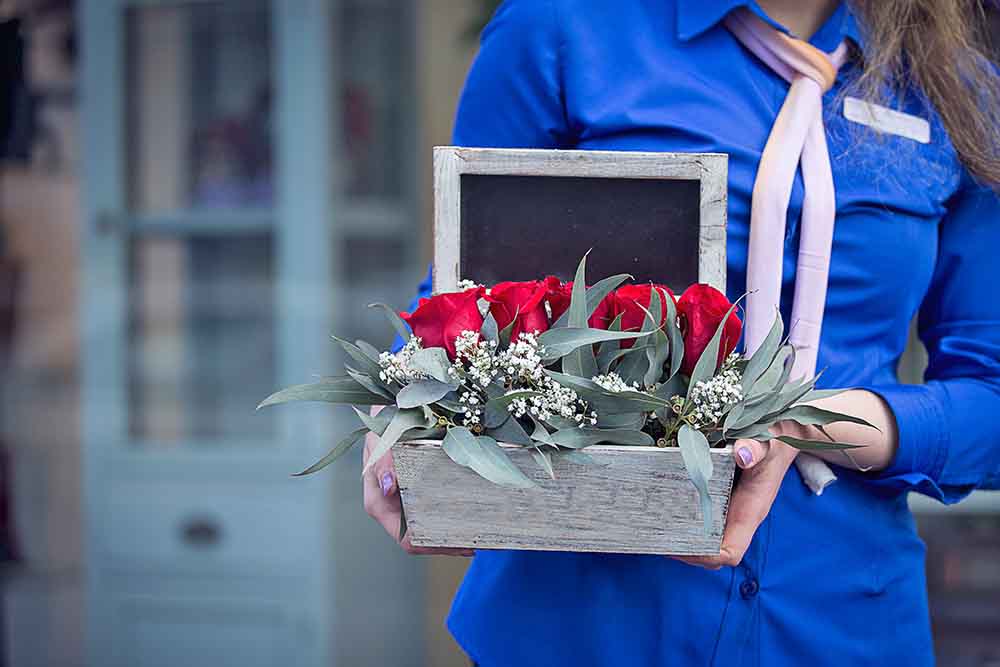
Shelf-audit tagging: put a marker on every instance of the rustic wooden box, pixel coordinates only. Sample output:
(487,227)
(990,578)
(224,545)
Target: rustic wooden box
(632,500)
(520,214)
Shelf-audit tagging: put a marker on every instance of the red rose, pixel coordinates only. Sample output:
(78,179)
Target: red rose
(629,301)
(520,303)
(701,309)
(442,318)
(559,295)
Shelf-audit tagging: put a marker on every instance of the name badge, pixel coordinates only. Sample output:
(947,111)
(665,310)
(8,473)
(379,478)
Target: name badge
(883,119)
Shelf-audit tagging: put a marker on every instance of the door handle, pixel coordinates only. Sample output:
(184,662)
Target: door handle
(201,532)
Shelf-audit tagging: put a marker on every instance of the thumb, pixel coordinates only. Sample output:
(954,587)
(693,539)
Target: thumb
(385,475)
(749,453)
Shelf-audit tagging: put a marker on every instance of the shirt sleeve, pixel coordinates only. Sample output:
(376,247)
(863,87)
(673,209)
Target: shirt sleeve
(512,97)
(949,427)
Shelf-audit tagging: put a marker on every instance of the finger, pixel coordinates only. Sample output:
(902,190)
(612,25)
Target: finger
(707,562)
(749,453)
(751,501)
(434,551)
(387,510)
(385,474)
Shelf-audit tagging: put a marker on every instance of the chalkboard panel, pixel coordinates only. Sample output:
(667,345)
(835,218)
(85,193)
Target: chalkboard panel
(525,227)
(522,214)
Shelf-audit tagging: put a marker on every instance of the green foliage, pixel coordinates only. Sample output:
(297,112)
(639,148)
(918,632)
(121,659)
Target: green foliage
(427,395)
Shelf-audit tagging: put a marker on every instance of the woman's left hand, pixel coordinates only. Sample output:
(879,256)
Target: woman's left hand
(765,464)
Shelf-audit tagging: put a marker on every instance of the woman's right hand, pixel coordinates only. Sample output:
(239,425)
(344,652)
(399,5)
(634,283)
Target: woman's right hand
(382,502)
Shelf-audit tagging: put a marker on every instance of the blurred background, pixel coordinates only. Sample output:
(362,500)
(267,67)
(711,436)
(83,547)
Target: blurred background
(192,196)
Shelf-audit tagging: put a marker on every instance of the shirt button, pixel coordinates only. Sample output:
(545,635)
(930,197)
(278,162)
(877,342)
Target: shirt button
(749,588)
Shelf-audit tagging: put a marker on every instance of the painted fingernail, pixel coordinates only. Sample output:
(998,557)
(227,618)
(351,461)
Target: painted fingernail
(386,483)
(746,456)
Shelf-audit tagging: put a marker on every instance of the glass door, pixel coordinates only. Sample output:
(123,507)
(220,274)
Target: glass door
(200,223)
(208,253)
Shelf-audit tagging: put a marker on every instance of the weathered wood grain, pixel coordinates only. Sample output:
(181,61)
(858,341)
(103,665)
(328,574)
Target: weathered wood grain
(633,500)
(450,162)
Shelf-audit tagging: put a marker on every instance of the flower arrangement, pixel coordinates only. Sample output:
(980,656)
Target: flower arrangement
(556,367)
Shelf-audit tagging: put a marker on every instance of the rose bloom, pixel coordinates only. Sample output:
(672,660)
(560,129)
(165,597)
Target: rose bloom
(701,309)
(559,295)
(629,301)
(521,303)
(437,321)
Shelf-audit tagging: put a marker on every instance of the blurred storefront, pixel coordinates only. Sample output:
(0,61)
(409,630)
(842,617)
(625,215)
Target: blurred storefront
(193,194)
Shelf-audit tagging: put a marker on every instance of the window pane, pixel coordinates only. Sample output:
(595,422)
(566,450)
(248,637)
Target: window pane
(199,106)
(202,341)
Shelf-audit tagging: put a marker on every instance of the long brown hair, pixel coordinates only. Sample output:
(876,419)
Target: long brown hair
(942,48)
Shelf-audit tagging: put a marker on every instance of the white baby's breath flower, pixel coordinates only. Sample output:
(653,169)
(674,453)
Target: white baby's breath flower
(396,367)
(711,398)
(614,383)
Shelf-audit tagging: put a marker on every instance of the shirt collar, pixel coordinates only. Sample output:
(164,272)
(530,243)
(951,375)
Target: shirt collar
(695,17)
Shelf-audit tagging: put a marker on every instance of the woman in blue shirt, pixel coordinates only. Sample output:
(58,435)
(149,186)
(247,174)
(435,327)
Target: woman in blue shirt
(802,579)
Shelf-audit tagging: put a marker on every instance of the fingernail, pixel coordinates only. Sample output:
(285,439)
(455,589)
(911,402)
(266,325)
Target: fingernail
(386,483)
(746,456)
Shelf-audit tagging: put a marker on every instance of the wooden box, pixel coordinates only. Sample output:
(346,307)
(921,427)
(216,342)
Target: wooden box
(522,214)
(631,500)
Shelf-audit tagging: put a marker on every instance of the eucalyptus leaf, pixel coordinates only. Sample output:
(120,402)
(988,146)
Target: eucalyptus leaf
(675,386)
(559,422)
(578,438)
(708,362)
(770,379)
(338,450)
(658,348)
(484,456)
(675,337)
(368,383)
(432,361)
(810,415)
(814,445)
(394,319)
(540,433)
(608,351)
(495,411)
(429,433)
(511,432)
(422,392)
(634,363)
(544,461)
(328,390)
(402,421)
(595,294)
(368,349)
(629,420)
(402,523)
(560,342)
(489,330)
(366,364)
(763,355)
(577,311)
(698,461)
(819,394)
(508,330)
(378,422)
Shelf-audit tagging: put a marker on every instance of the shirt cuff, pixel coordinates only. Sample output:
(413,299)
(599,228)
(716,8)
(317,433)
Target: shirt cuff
(924,440)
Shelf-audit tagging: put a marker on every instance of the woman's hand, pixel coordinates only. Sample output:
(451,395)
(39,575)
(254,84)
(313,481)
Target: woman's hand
(383,504)
(764,466)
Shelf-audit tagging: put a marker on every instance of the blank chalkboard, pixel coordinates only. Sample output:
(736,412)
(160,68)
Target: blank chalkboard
(526,227)
(523,214)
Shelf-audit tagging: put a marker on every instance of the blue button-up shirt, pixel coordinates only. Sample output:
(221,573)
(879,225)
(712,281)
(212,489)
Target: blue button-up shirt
(830,580)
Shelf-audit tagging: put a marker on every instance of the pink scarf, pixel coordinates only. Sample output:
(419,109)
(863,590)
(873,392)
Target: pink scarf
(797,138)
